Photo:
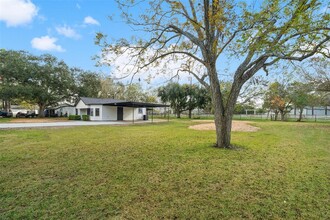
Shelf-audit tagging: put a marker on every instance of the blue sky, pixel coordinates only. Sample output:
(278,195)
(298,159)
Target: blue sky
(66,29)
(63,28)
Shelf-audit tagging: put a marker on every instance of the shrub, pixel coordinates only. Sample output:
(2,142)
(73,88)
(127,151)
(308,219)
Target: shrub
(74,117)
(85,117)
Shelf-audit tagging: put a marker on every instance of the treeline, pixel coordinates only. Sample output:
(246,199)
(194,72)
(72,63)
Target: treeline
(45,81)
(281,98)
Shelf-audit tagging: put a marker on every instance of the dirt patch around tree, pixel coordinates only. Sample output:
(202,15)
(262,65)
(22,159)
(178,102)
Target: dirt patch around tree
(236,126)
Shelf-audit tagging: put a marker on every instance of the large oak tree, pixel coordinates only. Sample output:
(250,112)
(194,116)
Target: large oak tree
(43,80)
(203,33)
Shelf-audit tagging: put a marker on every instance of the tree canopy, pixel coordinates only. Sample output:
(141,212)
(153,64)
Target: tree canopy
(184,97)
(43,80)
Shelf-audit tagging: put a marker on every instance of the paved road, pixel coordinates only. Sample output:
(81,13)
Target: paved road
(64,124)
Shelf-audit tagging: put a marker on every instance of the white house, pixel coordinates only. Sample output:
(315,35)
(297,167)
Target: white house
(313,111)
(62,109)
(113,109)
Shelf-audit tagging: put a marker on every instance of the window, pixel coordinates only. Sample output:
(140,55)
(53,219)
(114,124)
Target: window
(140,111)
(97,112)
(92,112)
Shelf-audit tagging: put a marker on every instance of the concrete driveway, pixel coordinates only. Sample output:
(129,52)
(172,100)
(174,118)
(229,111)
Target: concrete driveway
(66,124)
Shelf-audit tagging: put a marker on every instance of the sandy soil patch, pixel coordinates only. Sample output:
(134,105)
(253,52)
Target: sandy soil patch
(37,120)
(236,126)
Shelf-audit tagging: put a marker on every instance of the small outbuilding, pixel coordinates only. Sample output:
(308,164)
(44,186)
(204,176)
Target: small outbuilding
(114,109)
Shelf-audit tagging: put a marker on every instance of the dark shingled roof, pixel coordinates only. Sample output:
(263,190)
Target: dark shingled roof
(99,101)
(121,103)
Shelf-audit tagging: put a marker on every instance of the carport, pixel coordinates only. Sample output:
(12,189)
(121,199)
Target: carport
(147,105)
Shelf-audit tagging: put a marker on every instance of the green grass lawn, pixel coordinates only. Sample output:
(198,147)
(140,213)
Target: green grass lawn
(165,171)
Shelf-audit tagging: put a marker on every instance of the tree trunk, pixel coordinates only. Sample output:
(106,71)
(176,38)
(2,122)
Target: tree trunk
(178,114)
(190,113)
(6,105)
(300,114)
(276,115)
(41,113)
(222,114)
(282,115)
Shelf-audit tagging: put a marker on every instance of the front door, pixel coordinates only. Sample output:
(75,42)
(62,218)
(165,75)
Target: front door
(120,113)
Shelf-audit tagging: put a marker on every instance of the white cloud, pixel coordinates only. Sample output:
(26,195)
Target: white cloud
(46,43)
(90,20)
(67,32)
(17,12)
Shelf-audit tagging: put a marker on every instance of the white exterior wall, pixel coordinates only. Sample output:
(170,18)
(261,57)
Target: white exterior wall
(109,113)
(81,104)
(128,114)
(68,110)
(93,109)
(316,111)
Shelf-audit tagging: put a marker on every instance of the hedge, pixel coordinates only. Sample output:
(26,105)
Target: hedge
(85,117)
(74,117)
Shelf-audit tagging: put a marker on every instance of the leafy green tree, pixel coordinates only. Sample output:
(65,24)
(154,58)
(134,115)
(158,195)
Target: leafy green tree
(14,70)
(111,89)
(134,92)
(176,95)
(51,82)
(278,99)
(300,96)
(201,33)
(41,80)
(241,108)
(88,83)
(196,97)
(184,97)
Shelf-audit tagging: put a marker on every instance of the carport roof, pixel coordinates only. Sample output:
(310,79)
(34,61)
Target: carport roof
(121,103)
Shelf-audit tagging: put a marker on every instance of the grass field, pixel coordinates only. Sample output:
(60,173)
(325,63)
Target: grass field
(165,171)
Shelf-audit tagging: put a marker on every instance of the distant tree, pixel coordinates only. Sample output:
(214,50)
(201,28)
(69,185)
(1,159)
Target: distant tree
(134,92)
(203,98)
(242,108)
(300,95)
(150,95)
(196,97)
(88,83)
(205,32)
(277,99)
(176,95)
(184,97)
(111,89)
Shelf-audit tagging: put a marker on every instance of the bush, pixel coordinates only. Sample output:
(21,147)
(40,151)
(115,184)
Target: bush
(74,117)
(85,117)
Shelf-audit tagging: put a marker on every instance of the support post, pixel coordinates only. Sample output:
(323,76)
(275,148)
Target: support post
(133,114)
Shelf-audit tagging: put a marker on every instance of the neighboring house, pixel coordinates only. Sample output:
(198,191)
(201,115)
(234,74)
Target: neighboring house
(313,111)
(61,110)
(113,109)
